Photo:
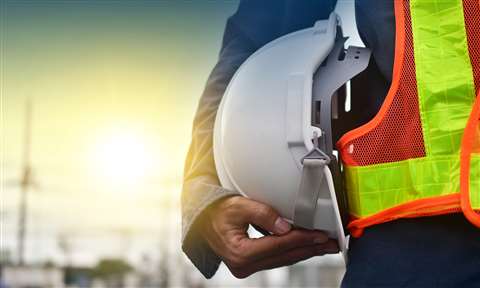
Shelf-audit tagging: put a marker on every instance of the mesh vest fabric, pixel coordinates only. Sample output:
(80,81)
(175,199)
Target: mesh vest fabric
(407,161)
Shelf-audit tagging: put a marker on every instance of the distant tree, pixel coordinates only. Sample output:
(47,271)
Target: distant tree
(111,268)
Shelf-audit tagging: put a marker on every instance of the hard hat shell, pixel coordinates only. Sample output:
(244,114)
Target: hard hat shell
(263,126)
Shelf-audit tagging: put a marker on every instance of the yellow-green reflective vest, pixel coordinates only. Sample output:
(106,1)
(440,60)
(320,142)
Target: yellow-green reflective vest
(420,155)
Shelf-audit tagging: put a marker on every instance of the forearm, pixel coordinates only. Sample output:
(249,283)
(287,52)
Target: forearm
(201,186)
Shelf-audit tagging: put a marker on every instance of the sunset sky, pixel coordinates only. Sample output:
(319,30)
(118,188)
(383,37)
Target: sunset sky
(114,86)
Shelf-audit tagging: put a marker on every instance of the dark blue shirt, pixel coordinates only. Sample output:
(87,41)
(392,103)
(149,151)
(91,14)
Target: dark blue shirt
(442,251)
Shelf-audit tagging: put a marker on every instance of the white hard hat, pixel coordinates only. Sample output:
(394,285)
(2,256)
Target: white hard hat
(267,144)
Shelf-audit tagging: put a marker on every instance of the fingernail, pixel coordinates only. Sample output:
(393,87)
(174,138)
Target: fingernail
(282,226)
(320,240)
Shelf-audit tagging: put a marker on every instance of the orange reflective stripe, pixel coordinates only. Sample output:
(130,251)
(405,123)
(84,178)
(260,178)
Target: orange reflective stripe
(470,137)
(418,208)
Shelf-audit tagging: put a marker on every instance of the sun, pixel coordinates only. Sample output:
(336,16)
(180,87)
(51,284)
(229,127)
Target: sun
(122,158)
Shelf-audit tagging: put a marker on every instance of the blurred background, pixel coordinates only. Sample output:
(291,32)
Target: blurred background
(97,102)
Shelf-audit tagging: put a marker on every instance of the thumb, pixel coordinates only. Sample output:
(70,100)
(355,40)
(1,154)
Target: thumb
(267,218)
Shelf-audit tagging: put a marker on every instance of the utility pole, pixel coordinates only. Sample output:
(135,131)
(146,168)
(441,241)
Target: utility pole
(25,184)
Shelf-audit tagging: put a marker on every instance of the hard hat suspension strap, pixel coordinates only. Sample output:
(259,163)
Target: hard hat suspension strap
(311,183)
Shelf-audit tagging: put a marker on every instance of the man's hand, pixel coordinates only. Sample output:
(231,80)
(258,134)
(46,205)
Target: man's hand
(226,225)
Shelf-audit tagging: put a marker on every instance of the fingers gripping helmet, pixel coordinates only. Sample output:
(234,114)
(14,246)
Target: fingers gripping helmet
(273,137)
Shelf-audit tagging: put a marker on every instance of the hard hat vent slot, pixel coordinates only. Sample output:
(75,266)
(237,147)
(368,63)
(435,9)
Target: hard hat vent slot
(316,113)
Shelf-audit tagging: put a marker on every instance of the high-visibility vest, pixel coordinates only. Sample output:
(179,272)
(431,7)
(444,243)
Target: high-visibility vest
(420,155)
